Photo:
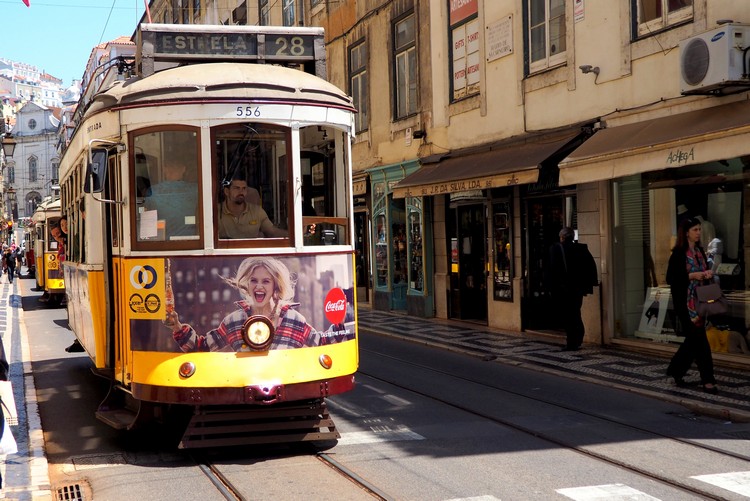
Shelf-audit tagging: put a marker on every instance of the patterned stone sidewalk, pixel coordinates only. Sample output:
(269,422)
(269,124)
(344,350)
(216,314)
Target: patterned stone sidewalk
(603,365)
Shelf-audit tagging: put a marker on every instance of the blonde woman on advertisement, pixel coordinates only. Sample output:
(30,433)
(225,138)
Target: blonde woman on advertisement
(267,288)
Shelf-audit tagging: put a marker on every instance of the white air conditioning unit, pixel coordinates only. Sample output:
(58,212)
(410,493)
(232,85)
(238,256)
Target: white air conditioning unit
(716,62)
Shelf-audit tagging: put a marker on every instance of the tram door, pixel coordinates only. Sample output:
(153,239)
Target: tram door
(543,218)
(468,262)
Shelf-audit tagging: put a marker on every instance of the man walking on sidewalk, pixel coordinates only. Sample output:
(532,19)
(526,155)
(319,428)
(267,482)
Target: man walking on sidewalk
(571,275)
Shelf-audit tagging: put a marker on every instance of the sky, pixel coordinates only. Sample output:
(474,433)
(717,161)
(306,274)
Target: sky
(57,36)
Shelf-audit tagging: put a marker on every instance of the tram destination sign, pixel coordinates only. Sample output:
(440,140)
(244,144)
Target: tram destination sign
(177,43)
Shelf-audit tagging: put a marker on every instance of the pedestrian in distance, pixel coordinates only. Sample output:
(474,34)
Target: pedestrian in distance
(571,274)
(19,260)
(9,262)
(687,269)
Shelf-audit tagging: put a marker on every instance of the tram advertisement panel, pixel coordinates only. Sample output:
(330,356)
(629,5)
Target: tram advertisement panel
(202,303)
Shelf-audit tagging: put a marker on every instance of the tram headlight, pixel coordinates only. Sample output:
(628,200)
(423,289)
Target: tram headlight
(187,369)
(326,361)
(257,331)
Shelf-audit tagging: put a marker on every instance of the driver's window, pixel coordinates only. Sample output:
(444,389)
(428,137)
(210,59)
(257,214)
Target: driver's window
(252,163)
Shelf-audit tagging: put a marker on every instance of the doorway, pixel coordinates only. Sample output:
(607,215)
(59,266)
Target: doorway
(543,219)
(467,237)
(362,255)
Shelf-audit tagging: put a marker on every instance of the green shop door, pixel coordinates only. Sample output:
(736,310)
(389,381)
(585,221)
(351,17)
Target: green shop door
(400,277)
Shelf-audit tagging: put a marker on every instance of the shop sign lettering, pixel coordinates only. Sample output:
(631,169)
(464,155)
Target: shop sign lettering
(680,156)
(468,184)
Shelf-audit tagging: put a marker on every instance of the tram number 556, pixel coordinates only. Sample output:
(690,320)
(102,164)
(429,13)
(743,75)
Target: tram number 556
(248,111)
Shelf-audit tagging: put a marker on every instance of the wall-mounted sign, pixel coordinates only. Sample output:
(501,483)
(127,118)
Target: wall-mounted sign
(499,38)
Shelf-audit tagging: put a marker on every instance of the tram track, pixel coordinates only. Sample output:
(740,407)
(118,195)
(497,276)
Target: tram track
(232,492)
(645,472)
(222,483)
(376,492)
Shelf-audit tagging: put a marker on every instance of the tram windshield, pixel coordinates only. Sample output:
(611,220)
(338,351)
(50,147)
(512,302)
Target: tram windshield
(252,162)
(251,193)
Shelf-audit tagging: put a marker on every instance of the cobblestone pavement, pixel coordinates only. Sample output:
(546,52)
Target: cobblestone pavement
(604,365)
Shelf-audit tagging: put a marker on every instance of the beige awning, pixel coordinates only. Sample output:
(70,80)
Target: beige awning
(507,165)
(689,138)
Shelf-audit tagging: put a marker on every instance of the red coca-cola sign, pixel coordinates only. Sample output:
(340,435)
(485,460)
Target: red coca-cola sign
(335,306)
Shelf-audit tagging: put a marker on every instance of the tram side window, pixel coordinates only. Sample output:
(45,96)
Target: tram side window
(324,198)
(252,199)
(165,184)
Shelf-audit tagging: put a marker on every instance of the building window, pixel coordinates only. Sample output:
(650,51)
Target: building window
(196,8)
(33,174)
(32,124)
(11,174)
(358,84)
(464,36)
(546,33)
(264,12)
(405,48)
(288,13)
(654,15)
(239,15)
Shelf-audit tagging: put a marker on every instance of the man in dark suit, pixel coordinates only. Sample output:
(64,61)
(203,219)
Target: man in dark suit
(571,275)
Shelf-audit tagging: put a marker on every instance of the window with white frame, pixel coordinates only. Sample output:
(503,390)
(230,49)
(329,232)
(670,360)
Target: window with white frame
(654,15)
(405,48)
(264,12)
(358,84)
(288,16)
(546,32)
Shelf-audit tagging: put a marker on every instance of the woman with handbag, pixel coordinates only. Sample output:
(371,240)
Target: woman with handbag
(688,268)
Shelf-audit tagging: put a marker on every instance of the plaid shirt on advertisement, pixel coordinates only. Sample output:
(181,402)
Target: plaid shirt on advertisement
(292,332)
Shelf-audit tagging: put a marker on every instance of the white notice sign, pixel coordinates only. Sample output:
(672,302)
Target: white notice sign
(500,38)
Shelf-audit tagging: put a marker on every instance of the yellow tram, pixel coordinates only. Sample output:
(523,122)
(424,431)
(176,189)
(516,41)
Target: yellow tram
(210,264)
(48,269)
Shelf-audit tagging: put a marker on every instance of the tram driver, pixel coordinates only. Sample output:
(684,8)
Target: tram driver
(239,217)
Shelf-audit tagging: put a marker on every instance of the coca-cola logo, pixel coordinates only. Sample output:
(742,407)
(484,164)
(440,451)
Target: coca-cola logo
(335,306)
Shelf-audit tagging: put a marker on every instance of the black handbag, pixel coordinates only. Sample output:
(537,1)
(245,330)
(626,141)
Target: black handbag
(711,301)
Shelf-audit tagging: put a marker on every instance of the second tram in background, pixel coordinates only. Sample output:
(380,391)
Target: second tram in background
(210,262)
(46,251)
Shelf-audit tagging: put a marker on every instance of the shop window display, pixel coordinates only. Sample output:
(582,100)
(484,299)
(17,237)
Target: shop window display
(647,211)
(503,289)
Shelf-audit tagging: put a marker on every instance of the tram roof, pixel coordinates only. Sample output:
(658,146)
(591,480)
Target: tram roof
(224,82)
(44,207)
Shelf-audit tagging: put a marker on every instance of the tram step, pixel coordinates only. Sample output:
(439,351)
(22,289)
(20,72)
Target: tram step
(231,426)
(119,419)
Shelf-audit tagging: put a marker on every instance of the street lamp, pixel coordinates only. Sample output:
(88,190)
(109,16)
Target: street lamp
(8,145)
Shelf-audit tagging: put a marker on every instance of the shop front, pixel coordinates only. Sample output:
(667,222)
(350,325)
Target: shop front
(475,197)
(658,172)
(401,244)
